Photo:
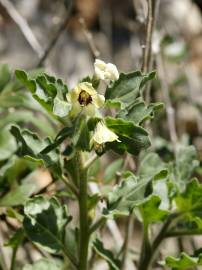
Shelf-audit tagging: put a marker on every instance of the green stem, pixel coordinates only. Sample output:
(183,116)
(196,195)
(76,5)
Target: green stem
(128,234)
(84,226)
(183,233)
(97,224)
(13,259)
(146,249)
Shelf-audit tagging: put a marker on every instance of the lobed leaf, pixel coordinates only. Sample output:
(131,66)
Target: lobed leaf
(44,223)
(107,255)
(133,138)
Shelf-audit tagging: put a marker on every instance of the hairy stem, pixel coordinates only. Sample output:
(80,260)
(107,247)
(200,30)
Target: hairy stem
(146,251)
(149,250)
(128,234)
(84,226)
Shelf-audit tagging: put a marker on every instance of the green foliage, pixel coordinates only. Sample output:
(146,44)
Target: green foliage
(183,262)
(65,145)
(133,138)
(48,91)
(106,254)
(127,87)
(31,147)
(44,223)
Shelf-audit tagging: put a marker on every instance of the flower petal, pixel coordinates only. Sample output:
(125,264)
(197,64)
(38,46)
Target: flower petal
(103,134)
(100,64)
(90,110)
(98,100)
(85,86)
(111,72)
(76,109)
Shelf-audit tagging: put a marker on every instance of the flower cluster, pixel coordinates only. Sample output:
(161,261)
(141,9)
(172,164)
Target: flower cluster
(85,99)
(107,72)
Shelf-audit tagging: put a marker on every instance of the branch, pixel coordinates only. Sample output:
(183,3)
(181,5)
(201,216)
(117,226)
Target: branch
(183,233)
(89,37)
(169,108)
(57,35)
(23,25)
(153,7)
(128,234)
(150,25)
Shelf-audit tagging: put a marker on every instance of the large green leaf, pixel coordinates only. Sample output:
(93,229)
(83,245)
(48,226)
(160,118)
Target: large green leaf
(130,191)
(150,210)
(48,91)
(31,147)
(151,164)
(183,262)
(107,255)
(186,163)
(127,87)
(137,112)
(189,202)
(45,264)
(133,138)
(44,223)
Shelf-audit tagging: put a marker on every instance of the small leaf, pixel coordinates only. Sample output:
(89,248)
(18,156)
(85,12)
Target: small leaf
(44,223)
(106,254)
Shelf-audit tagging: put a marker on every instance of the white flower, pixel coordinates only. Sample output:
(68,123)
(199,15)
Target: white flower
(103,134)
(107,72)
(85,98)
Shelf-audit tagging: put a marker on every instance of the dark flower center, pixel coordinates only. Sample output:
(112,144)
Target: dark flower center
(84,98)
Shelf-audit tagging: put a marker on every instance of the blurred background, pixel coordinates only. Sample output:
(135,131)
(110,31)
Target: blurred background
(65,39)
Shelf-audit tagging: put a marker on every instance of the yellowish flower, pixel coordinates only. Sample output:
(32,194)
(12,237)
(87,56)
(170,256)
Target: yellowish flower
(85,98)
(106,71)
(103,134)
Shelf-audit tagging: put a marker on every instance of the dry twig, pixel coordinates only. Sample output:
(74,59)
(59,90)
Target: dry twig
(23,25)
(56,37)
(89,37)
